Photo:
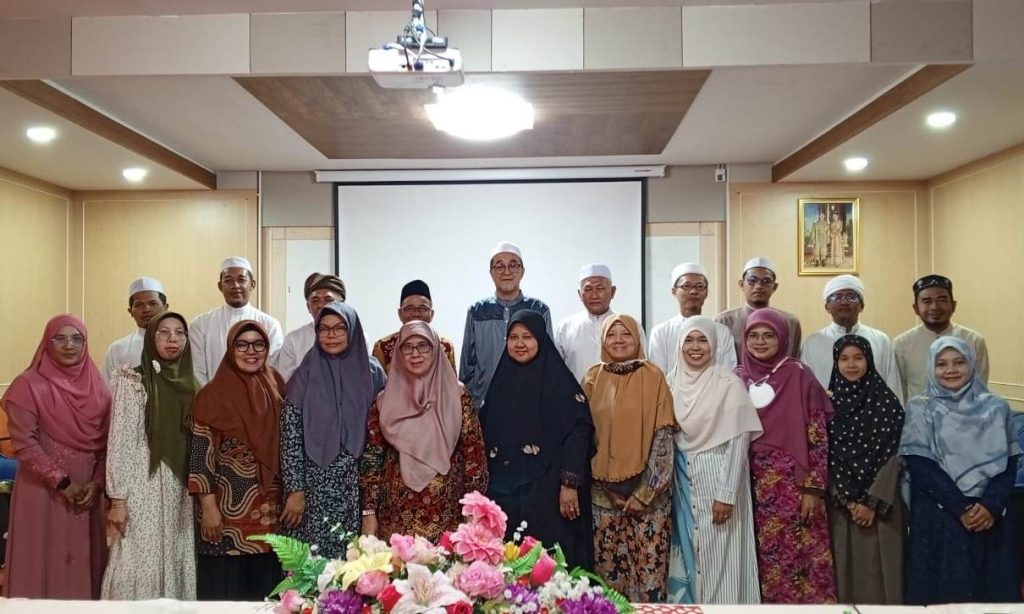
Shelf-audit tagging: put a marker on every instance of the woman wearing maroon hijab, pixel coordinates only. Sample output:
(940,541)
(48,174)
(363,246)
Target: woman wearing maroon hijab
(788,466)
(58,411)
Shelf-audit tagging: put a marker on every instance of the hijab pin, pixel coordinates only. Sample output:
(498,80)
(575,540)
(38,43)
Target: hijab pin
(580,398)
(156,366)
(531,449)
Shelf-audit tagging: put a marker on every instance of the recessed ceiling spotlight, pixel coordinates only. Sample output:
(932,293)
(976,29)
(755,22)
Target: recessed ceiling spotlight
(855,164)
(41,134)
(134,173)
(941,119)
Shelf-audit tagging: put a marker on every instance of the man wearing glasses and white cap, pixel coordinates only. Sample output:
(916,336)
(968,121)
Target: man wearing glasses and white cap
(487,320)
(758,285)
(690,289)
(208,332)
(844,302)
(146,298)
(578,337)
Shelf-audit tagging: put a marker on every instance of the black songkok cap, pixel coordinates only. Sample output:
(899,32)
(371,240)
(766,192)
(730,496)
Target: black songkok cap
(319,281)
(416,287)
(932,281)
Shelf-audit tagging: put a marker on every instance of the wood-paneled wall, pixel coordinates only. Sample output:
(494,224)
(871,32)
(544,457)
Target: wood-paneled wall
(895,247)
(178,237)
(978,242)
(34,219)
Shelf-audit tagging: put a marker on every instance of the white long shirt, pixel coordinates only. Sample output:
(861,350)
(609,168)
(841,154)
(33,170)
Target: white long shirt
(578,339)
(666,338)
(208,335)
(125,351)
(296,344)
(816,353)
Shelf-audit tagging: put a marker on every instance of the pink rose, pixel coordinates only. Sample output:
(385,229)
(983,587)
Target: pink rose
(527,545)
(543,570)
(291,601)
(481,510)
(404,546)
(481,579)
(371,583)
(459,607)
(474,542)
(445,541)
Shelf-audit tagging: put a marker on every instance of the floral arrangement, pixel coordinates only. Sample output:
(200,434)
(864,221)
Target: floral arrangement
(469,571)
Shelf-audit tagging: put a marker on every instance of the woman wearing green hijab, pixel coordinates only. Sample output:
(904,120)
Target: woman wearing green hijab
(149,525)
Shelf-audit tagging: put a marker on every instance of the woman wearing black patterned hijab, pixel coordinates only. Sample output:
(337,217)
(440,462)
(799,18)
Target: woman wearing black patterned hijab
(864,437)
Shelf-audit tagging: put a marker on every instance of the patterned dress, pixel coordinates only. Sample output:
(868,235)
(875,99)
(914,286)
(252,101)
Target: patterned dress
(156,556)
(794,557)
(227,467)
(632,552)
(436,508)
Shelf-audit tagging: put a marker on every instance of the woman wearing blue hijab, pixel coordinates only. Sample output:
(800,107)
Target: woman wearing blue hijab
(961,454)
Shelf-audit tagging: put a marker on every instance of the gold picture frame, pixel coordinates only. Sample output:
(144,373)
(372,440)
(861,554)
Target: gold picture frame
(828,246)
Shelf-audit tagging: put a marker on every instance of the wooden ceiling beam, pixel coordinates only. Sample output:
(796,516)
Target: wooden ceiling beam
(52,99)
(895,98)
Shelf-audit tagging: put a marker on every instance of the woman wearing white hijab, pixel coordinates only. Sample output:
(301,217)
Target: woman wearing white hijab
(714,555)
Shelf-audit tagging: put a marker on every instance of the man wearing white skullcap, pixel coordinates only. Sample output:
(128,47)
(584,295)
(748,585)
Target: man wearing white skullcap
(487,320)
(758,285)
(844,302)
(208,332)
(690,289)
(578,337)
(146,298)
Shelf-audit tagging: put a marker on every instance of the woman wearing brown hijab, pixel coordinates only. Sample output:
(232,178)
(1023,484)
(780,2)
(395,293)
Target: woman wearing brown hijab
(632,470)
(234,467)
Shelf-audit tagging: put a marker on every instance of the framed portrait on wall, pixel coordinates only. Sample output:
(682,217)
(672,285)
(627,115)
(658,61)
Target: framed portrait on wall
(828,236)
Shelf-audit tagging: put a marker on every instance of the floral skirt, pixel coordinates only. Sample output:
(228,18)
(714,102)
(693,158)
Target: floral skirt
(631,552)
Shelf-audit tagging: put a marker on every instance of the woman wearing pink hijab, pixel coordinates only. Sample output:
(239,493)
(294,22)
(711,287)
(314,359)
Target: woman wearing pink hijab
(58,411)
(424,447)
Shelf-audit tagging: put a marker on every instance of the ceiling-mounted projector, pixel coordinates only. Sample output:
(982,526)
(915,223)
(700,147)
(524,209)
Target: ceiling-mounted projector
(418,59)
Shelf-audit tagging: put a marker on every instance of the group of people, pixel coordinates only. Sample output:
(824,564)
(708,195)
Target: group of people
(717,461)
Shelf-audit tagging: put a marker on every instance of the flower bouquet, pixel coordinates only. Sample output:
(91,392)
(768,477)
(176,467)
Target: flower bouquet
(469,571)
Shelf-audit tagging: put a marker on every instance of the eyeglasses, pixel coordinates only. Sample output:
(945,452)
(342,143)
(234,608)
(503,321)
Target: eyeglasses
(766,336)
(753,280)
(423,348)
(243,347)
(691,287)
(340,330)
(501,267)
(413,310)
(851,297)
(167,335)
(75,340)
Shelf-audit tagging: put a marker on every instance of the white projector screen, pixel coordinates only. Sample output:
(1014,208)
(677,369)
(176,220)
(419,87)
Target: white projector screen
(443,233)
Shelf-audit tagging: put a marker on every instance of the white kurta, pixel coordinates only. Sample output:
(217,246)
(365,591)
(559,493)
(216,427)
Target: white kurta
(578,339)
(156,557)
(208,335)
(816,353)
(665,340)
(296,344)
(125,351)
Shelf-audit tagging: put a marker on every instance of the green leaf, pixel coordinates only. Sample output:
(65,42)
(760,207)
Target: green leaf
(621,603)
(524,564)
(292,553)
(559,557)
(288,583)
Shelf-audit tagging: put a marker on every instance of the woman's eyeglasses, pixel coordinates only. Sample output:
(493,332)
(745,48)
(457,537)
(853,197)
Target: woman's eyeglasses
(423,348)
(243,347)
(62,340)
(340,330)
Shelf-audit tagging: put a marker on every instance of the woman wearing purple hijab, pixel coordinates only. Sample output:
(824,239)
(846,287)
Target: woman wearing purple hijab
(323,431)
(788,466)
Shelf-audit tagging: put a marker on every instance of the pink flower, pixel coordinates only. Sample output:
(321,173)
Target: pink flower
(475,542)
(543,570)
(445,541)
(291,601)
(481,579)
(371,583)
(404,546)
(481,510)
(527,545)
(459,607)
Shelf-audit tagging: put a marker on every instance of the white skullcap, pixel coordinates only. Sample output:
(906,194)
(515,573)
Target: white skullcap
(757,262)
(145,284)
(235,262)
(686,268)
(843,282)
(504,247)
(595,269)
